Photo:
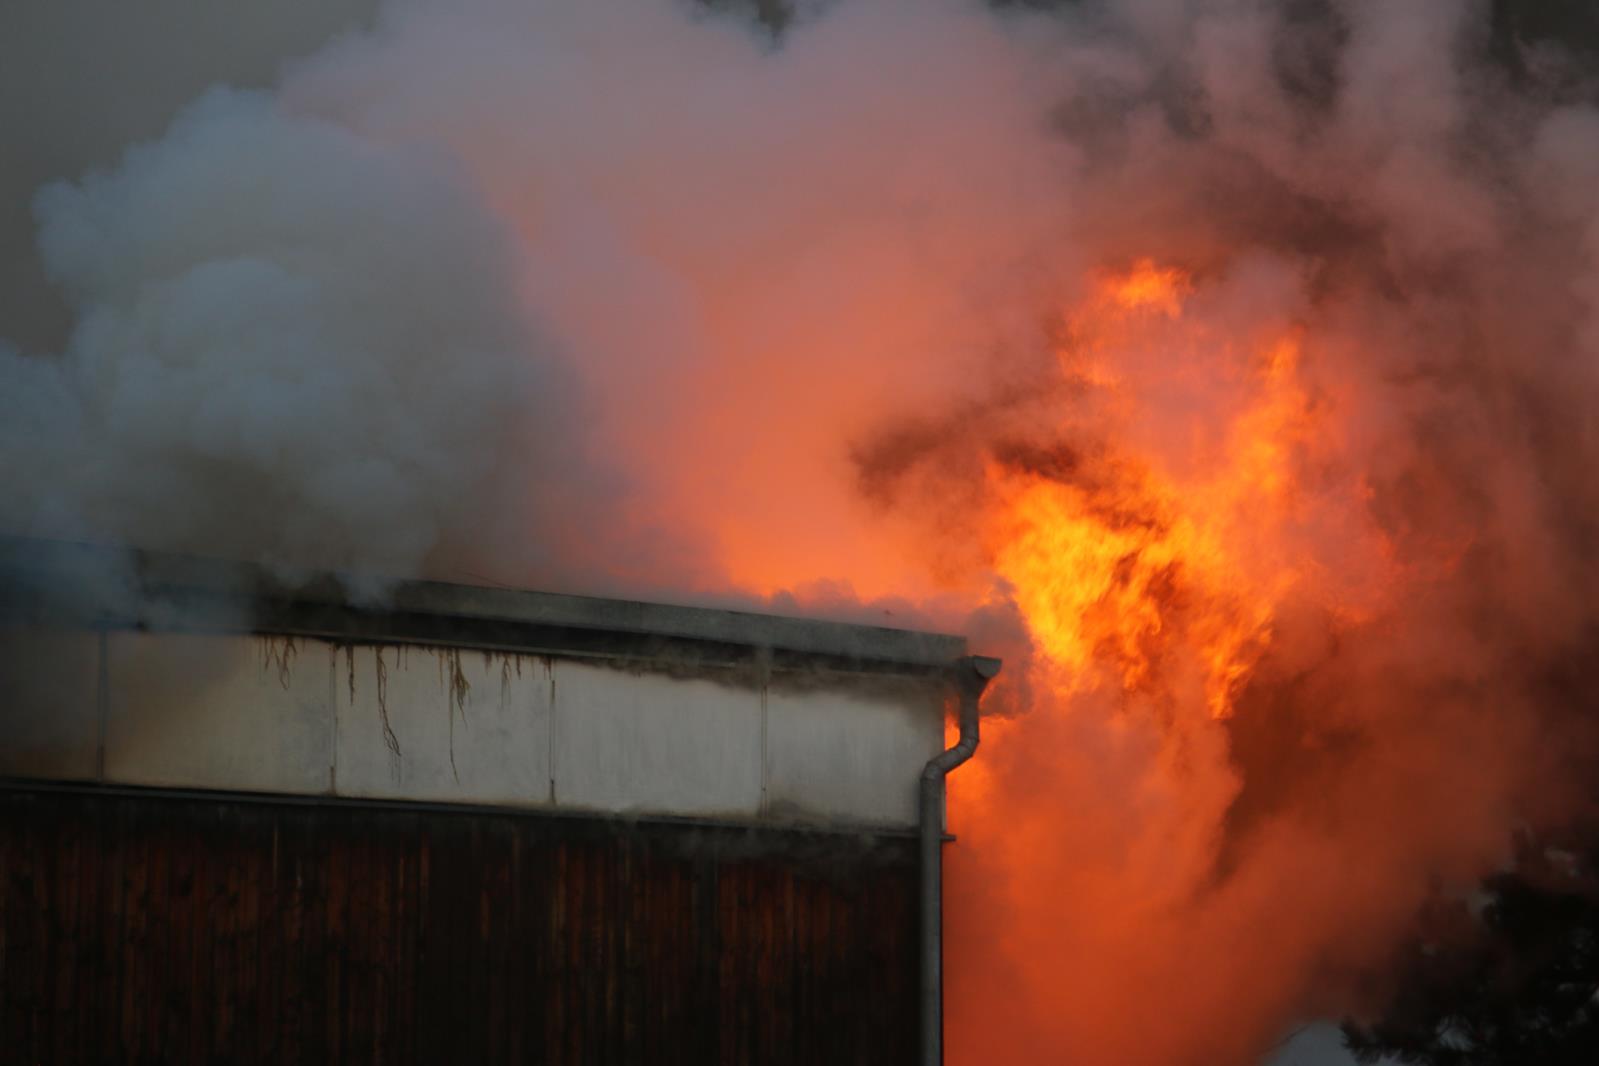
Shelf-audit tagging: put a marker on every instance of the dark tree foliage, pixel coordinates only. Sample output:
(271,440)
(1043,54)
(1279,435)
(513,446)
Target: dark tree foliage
(1550,47)
(1516,985)
(1572,23)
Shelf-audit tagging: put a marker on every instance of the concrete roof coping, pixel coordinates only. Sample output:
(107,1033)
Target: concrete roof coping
(119,586)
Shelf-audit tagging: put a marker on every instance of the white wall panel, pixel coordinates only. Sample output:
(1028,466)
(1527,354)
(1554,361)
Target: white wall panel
(836,754)
(393,722)
(236,712)
(631,742)
(49,705)
(440,724)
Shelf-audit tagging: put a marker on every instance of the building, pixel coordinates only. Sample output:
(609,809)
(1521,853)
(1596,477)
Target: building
(242,822)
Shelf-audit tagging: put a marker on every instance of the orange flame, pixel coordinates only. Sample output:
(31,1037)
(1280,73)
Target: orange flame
(1147,286)
(1128,568)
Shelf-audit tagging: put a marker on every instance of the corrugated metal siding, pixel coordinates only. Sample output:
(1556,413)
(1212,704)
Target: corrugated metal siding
(145,928)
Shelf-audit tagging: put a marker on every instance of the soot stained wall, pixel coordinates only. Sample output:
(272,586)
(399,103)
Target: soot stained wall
(148,928)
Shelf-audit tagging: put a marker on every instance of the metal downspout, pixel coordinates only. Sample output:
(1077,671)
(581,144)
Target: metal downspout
(970,676)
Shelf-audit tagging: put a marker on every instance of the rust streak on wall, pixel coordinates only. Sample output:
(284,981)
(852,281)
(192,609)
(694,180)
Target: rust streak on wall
(145,928)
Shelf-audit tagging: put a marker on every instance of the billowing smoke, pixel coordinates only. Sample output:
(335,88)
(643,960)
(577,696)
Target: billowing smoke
(1225,364)
(292,344)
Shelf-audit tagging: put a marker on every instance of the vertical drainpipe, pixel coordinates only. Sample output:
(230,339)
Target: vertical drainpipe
(970,676)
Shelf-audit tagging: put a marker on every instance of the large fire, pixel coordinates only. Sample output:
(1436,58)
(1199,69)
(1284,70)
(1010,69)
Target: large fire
(1153,545)
(1121,563)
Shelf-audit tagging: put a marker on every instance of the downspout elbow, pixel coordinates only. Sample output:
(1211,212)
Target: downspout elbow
(970,676)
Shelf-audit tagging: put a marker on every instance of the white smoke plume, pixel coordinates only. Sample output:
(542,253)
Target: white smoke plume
(291,344)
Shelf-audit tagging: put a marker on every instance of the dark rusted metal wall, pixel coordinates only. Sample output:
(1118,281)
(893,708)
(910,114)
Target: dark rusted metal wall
(149,928)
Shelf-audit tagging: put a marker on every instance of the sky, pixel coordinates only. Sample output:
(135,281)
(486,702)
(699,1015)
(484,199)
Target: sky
(102,75)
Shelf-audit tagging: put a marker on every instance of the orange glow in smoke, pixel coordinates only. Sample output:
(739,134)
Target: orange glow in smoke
(1184,492)
(1147,286)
